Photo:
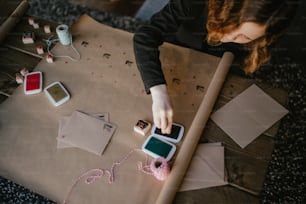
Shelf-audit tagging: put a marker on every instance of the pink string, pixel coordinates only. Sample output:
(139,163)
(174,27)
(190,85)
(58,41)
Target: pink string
(94,174)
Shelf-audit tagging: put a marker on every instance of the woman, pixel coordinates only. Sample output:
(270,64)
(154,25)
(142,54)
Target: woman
(247,28)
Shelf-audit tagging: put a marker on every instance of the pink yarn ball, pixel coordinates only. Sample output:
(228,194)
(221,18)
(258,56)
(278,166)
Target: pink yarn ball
(160,168)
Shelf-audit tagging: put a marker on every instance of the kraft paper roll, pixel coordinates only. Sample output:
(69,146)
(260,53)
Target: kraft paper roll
(13,19)
(192,137)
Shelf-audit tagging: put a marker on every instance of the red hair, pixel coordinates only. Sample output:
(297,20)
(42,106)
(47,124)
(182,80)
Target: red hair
(227,15)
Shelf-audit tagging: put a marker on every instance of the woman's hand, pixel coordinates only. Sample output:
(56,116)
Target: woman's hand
(162,109)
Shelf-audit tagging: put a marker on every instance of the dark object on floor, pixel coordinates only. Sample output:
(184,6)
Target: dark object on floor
(67,13)
(12,193)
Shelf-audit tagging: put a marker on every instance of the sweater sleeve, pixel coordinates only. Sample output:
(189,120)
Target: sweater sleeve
(147,39)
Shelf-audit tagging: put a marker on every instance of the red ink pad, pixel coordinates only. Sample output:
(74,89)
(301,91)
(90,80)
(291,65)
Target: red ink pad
(33,83)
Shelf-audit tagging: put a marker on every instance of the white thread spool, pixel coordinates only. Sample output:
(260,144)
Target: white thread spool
(63,34)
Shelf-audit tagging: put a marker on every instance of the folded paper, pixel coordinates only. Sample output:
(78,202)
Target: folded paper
(248,115)
(206,168)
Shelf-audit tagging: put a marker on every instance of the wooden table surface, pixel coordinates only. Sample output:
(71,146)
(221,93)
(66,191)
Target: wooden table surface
(246,168)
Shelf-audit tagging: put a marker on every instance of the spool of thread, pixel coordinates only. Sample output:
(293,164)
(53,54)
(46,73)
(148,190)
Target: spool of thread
(63,34)
(160,168)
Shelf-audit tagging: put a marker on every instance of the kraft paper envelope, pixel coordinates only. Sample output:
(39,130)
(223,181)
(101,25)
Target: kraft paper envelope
(248,115)
(61,144)
(86,132)
(206,168)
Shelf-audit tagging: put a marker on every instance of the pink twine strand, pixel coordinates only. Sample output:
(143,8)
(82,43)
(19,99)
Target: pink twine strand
(160,172)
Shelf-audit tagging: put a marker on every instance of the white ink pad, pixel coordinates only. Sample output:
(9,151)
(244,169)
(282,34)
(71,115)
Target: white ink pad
(57,93)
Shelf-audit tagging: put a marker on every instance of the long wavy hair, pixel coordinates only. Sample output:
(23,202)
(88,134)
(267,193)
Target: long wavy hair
(227,15)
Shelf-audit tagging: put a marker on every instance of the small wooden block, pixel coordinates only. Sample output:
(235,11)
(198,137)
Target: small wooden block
(142,127)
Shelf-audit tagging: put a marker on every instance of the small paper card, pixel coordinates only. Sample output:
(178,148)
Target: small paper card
(248,115)
(86,132)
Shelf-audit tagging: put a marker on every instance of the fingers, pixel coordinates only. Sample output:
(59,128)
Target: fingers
(162,109)
(167,129)
(156,119)
(163,120)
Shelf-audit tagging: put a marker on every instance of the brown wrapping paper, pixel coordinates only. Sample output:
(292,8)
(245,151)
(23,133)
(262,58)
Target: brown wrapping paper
(13,19)
(106,79)
(193,135)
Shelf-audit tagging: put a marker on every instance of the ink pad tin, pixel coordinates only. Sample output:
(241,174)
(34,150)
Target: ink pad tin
(57,93)
(33,83)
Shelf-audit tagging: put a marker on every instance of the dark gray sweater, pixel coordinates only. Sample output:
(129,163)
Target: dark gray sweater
(181,22)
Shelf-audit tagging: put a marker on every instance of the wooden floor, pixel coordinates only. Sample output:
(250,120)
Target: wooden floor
(246,168)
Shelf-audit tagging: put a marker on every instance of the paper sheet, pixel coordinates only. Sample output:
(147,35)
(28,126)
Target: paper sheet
(206,168)
(62,122)
(248,115)
(86,132)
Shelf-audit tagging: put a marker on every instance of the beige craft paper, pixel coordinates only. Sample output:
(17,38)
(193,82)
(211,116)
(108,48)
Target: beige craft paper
(106,79)
(206,168)
(63,121)
(13,19)
(87,132)
(248,115)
